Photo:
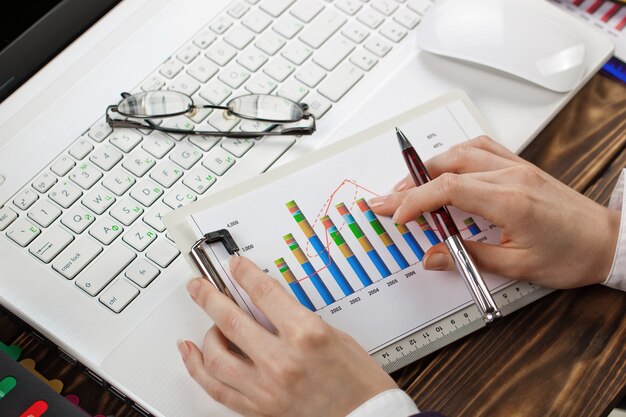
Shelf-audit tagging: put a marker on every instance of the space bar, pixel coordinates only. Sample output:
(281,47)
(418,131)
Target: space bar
(258,159)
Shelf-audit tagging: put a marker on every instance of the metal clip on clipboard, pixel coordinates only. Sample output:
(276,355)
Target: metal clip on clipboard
(203,262)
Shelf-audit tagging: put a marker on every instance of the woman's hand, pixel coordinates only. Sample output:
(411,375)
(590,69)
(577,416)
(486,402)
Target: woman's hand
(551,234)
(307,369)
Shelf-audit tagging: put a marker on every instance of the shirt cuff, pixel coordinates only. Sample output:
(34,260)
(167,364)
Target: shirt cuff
(390,403)
(617,276)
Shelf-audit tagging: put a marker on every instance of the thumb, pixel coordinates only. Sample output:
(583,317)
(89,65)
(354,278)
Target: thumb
(489,258)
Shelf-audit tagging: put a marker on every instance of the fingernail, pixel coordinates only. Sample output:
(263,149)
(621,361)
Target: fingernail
(401,185)
(193,287)
(377,201)
(436,262)
(183,349)
(396,215)
(234,262)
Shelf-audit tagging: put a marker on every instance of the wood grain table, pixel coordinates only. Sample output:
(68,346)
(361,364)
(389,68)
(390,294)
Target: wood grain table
(564,355)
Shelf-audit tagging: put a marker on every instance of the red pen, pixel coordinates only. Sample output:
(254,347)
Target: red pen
(451,236)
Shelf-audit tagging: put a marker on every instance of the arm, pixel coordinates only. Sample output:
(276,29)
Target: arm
(617,276)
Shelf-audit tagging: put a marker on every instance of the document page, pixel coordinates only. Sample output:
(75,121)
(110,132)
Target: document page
(310,226)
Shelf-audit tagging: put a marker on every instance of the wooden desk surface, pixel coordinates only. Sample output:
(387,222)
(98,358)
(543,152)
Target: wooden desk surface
(564,355)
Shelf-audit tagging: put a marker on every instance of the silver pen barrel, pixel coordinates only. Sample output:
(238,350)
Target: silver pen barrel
(473,279)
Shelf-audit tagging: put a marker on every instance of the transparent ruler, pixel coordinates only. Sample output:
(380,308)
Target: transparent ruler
(453,327)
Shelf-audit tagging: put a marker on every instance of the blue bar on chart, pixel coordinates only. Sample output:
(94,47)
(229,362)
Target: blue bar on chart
(382,233)
(472,226)
(317,282)
(294,284)
(410,239)
(363,240)
(325,257)
(345,250)
(428,230)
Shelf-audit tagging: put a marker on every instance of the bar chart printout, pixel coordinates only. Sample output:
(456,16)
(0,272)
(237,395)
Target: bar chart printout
(471,226)
(428,230)
(363,240)
(317,244)
(317,282)
(411,241)
(294,284)
(382,233)
(346,251)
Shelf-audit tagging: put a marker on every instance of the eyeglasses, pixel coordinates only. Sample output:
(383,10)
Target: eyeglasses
(267,114)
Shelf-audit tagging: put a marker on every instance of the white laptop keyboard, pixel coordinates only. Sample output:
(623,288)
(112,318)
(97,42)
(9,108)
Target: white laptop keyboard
(95,214)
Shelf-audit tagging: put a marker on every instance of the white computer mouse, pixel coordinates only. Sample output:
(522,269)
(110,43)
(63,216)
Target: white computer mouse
(507,37)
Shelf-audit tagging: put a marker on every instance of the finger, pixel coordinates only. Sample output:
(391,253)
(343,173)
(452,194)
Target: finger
(238,326)
(495,259)
(225,365)
(486,143)
(219,391)
(490,153)
(267,294)
(464,158)
(461,191)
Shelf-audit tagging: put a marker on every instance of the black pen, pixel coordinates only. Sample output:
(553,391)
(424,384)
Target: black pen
(450,234)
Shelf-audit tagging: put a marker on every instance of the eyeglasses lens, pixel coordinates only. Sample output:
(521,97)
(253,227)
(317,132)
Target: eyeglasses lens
(265,107)
(155,104)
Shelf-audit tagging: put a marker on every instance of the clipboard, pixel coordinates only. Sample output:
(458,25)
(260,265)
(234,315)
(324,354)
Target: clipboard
(413,329)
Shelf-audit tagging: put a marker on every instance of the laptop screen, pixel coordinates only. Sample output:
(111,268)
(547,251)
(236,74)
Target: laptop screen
(34,32)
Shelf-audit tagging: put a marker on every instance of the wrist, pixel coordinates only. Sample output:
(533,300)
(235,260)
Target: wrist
(606,256)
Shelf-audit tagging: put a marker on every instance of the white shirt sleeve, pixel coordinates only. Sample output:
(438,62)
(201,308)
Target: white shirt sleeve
(617,276)
(390,403)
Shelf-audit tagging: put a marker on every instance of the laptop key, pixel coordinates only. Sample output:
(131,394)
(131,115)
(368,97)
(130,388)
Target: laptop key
(185,155)
(81,148)
(100,131)
(377,46)
(119,295)
(218,161)
(106,157)
(76,257)
(162,253)
(142,272)
(140,237)
(77,219)
(199,180)
(23,232)
(126,211)
(7,216)
(257,21)
(179,197)
(25,199)
(322,27)
(65,194)
(62,165)
(50,243)
(105,268)
(171,68)
(337,84)
(106,230)
(146,192)
(393,31)
(139,162)
(204,39)
(166,174)
(85,175)
(125,139)
(157,144)
(154,217)
(98,200)
(118,181)
(275,7)
(44,213)
(44,181)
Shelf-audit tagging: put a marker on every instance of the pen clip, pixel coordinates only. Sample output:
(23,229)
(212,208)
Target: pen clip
(204,263)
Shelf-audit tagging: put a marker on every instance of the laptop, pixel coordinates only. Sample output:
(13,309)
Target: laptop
(84,256)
